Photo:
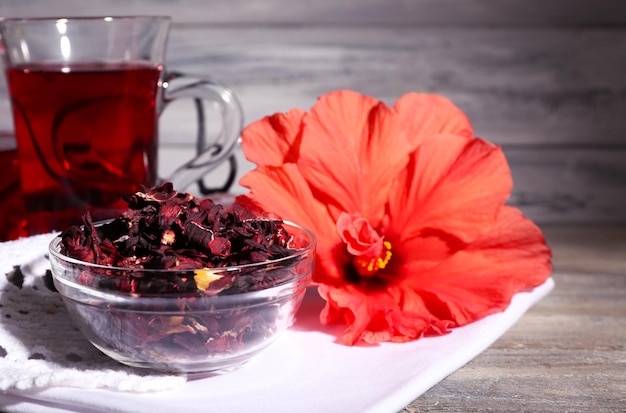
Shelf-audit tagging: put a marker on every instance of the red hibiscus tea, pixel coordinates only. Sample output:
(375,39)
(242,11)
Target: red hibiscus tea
(12,212)
(86,138)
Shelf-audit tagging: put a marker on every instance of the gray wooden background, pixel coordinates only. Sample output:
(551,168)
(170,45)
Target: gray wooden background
(546,79)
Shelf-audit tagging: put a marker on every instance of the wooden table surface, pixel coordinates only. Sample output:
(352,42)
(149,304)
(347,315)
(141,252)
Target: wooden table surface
(568,352)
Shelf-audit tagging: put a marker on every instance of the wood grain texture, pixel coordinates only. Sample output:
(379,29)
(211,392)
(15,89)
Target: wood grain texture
(544,86)
(540,86)
(567,185)
(414,12)
(543,79)
(568,353)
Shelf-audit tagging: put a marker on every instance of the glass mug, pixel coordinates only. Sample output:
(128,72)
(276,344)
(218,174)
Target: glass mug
(86,95)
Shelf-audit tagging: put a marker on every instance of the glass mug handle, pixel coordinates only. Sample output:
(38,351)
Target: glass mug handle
(177,85)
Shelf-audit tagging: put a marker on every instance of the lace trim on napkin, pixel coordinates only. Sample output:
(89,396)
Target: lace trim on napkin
(39,344)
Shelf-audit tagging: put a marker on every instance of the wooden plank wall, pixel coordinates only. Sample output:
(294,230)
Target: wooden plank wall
(546,79)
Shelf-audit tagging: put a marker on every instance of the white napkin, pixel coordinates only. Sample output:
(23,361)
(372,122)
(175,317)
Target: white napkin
(305,370)
(39,345)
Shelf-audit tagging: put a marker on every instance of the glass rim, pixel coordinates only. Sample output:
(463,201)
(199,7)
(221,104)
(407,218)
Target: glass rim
(106,18)
(54,251)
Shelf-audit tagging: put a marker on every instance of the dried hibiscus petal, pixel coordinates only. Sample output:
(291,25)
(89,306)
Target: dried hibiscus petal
(166,230)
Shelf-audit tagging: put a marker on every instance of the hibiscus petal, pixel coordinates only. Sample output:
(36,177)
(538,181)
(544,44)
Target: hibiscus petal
(358,234)
(376,316)
(451,184)
(365,313)
(283,192)
(427,114)
(517,248)
(482,278)
(352,148)
(413,319)
(273,140)
(421,253)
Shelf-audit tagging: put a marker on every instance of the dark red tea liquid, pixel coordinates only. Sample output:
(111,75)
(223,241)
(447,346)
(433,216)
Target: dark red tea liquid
(12,211)
(86,136)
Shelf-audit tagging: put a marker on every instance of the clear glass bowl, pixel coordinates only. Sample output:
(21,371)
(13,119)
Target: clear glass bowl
(189,333)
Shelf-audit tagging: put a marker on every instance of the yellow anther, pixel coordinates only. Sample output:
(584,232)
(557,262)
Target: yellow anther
(368,266)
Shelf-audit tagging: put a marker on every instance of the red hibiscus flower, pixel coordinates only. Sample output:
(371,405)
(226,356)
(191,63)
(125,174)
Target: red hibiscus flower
(408,207)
